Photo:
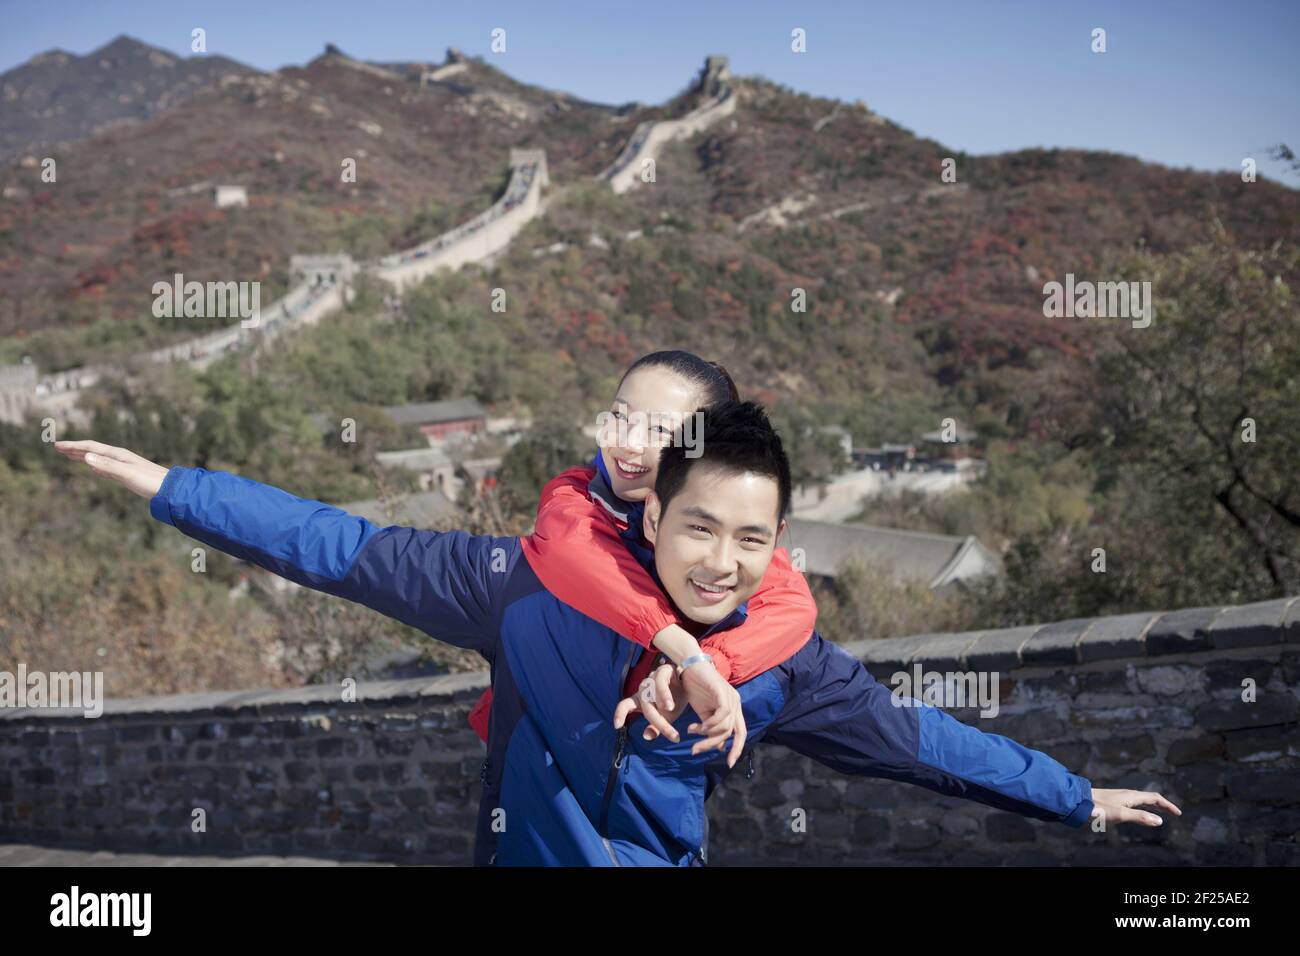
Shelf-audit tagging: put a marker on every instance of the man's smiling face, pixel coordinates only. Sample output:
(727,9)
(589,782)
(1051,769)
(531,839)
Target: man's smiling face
(714,539)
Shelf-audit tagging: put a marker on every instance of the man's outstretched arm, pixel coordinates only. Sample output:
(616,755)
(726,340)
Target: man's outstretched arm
(442,583)
(839,715)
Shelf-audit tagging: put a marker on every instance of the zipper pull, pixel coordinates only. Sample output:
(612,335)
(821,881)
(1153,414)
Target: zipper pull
(622,742)
(749,771)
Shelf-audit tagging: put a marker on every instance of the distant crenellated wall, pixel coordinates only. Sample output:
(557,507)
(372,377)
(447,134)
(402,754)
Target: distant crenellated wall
(649,138)
(483,236)
(1145,701)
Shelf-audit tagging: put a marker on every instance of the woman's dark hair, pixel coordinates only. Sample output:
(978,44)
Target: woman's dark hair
(713,381)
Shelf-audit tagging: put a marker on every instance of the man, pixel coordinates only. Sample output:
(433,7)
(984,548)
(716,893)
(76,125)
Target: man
(561,785)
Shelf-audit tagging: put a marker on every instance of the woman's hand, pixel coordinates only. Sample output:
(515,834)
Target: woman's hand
(1118,806)
(655,699)
(125,467)
(663,696)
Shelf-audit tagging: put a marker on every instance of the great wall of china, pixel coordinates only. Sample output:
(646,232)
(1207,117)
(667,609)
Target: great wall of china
(1146,701)
(325,280)
(649,137)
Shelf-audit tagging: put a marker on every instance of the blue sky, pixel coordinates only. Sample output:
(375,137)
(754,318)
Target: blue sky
(1188,84)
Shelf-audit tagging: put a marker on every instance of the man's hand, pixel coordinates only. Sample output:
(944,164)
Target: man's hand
(125,467)
(663,696)
(656,700)
(1117,806)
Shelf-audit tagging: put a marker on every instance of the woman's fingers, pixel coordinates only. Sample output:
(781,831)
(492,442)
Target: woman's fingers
(658,722)
(723,717)
(737,741)
(626,707)
(715,742)
(663,692)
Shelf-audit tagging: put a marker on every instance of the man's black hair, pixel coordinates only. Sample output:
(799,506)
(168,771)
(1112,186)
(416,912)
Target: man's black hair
(735,436)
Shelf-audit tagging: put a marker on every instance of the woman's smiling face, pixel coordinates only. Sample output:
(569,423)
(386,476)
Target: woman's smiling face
(640,421)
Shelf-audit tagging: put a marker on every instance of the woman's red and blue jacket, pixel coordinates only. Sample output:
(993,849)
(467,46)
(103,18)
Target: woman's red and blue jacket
(561,786)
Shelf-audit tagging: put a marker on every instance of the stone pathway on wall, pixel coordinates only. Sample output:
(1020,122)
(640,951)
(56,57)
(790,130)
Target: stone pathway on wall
(26,854)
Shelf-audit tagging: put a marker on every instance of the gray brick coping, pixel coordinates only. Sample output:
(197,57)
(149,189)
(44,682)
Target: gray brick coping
(230,703)
(1083,640)
(1078,641)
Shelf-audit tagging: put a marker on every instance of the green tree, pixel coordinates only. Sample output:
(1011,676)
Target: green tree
(1196,415)
(547,449)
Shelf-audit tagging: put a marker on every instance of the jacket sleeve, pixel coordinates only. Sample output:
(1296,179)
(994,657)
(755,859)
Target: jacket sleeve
(576,552)
(444,583)
(781,616)
(839,715)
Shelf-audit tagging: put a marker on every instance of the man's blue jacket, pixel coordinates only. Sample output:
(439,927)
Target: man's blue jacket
(561,786)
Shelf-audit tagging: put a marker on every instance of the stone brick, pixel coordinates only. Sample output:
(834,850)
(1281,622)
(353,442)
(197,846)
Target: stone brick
(1008,828)
(1180,632)
(828,825)
(1114,637)
(1199,783)
(329,747)
(893,653)
(1125,750)
(413,797)
(1274,787)
(1291,626)
(916,834)
(1104,682)
(1055,644)
(1249,625)
(956,824)
(946,652)
(1000,650)
(1282,854)
(870,795)
(1224,854)
(1263,744)
(1228,674)
(1187,750)
(869,828)
(297,772)
(1163,681)
(1267,710)
(395,746)
(1270,822)
(821,798)
(767,794)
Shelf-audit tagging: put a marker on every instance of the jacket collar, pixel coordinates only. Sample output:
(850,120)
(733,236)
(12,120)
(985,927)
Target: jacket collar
(629,514)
